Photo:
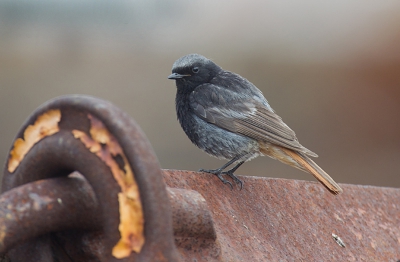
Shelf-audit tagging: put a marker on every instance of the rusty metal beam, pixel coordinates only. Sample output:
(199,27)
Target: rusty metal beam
(269,220)
(289,220)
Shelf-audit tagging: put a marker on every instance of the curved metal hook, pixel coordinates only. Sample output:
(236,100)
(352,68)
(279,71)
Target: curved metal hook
(94,137)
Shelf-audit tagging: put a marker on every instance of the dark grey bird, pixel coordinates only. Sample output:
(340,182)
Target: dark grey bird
(228,117)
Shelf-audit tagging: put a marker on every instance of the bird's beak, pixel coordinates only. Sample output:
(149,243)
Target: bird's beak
(176,76)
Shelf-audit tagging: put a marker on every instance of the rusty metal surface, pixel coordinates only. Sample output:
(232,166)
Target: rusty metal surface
(67,208)
(289,220)
(45,206)
(61,153)
(190,214)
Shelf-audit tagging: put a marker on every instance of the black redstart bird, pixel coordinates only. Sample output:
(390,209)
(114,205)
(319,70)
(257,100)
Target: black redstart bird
(228,117)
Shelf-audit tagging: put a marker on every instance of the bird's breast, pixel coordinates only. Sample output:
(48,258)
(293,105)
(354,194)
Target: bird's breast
(212,139)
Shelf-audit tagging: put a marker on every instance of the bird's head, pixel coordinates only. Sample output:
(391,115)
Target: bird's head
(192,70)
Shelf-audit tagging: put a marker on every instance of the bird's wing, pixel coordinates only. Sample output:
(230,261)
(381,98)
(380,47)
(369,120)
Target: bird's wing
(244,112)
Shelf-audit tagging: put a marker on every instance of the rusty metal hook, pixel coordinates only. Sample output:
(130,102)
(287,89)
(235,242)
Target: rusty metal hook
(94,137)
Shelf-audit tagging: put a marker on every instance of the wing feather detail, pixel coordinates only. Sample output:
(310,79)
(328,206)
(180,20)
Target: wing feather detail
(243,114)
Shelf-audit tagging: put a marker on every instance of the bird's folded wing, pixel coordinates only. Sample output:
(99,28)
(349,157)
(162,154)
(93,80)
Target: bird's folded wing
(243,114)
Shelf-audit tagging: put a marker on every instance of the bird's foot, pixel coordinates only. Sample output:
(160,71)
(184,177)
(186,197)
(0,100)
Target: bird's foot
(219,173)
(234,178)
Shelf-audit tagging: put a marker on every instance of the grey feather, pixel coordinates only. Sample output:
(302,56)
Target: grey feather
(244,115)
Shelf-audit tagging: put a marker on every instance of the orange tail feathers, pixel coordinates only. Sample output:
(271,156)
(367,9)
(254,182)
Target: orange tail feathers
(311,167)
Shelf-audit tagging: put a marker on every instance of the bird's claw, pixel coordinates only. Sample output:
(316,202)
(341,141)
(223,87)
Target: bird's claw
(234,178)
(219,174)
(224,180)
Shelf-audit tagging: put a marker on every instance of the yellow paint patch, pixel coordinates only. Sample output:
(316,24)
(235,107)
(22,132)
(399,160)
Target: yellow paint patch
(131,225)
(45,125)
(3,234)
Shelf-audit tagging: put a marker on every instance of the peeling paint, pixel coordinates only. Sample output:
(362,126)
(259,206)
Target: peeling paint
(45,125)
(106,147)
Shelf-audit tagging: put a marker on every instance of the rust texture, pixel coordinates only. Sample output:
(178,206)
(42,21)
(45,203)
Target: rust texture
(190,214)
(47,206)
(290,220)
(106,147)
(60,153)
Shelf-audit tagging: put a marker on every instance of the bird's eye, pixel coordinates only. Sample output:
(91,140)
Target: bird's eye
(195,70)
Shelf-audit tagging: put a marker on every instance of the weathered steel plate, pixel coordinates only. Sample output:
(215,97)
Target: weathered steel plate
(289,220)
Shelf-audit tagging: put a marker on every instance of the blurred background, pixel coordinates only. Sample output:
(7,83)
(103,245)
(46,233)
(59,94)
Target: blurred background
(331,70)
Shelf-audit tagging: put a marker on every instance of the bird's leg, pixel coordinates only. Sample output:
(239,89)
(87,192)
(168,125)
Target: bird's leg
(218,172)
(234,178)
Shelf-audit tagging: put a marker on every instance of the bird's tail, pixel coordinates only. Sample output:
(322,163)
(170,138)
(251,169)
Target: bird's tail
(303,162)
(311,167)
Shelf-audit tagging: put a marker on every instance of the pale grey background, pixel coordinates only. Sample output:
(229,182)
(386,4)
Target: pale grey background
(331,70)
